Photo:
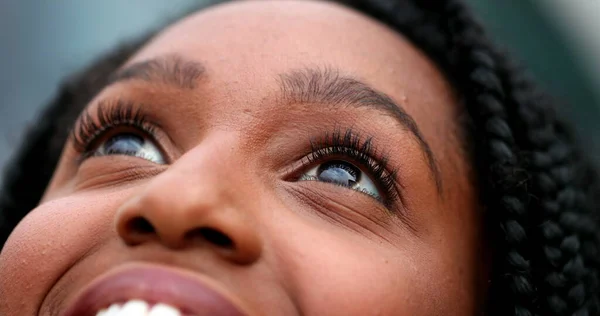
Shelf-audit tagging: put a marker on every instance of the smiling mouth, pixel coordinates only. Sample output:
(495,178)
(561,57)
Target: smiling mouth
(153,290)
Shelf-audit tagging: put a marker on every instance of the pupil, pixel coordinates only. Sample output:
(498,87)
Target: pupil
(124,143)
(339,172)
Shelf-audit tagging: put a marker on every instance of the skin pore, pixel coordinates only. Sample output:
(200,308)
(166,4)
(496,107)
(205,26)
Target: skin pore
(234,96)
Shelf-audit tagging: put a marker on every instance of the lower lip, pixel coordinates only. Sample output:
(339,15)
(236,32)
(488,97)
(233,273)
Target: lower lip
(153,284)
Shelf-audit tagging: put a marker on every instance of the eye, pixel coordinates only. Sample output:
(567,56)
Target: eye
(130,145)
(345,174)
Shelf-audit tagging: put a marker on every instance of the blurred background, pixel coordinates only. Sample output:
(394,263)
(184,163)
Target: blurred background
(42,41)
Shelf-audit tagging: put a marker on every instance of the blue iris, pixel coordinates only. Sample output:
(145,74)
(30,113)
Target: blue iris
(130,145)
(339,172)
(124,144)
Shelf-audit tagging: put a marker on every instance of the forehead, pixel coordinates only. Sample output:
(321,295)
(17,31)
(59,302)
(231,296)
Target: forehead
(245,45)
(258,38)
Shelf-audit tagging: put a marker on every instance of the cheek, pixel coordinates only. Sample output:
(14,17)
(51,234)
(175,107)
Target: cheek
(333,268)
(47,242)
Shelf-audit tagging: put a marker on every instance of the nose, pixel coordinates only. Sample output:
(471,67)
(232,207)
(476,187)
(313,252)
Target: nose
(181,208)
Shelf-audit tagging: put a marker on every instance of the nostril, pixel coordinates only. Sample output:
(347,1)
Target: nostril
(140,225)
(215,237)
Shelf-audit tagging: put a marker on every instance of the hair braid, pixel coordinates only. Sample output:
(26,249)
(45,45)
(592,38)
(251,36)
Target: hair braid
(506,192)
(566,228)
(564,275)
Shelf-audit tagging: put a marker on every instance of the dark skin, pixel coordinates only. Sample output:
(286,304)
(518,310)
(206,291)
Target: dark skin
(232,149)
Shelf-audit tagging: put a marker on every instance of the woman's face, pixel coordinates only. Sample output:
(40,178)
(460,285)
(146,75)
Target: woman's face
(268,158)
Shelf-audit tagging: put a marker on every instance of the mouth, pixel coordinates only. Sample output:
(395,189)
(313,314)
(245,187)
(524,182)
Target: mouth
(152,290)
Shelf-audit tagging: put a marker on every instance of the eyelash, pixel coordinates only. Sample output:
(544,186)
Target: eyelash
(361,151)
(89,128)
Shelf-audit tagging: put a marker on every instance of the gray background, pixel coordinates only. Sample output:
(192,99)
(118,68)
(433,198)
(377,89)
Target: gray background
(42,41)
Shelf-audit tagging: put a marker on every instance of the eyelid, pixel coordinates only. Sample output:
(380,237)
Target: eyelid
(352,147)
(109,118)
(152,137)
(396,208)
(306,164)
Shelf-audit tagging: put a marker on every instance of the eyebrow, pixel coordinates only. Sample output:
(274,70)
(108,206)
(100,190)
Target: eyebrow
(328,86)
(305,86)
(170,70)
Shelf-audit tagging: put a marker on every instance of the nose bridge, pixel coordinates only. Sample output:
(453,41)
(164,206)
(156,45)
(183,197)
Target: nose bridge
(192,203)
(196,181)
(195,178)
(205,175)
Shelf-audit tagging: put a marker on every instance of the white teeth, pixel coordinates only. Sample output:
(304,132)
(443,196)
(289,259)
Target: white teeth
(113,310)
(164,310)
(139,308)
(134,308)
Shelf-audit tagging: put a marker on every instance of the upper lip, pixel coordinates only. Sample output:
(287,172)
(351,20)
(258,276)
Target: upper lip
(192,294)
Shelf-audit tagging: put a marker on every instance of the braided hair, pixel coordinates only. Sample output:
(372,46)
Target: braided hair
(539,194)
